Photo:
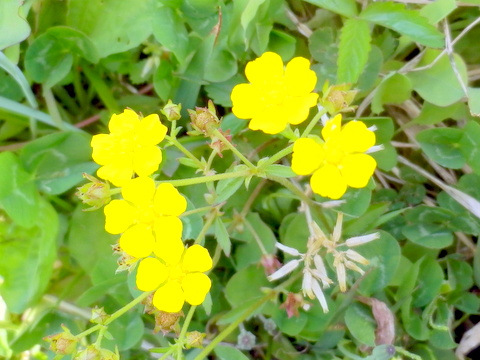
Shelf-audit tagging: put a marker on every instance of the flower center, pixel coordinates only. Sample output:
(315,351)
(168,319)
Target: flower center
(145,214)
(176,273)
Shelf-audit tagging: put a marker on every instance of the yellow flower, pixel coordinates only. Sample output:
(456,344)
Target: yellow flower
(147,216)
(129,148)
(179,271)
(276,96)
(340,161)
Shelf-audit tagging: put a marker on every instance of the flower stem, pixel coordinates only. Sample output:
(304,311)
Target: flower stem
(115,315)
(184,150)
(181,337)
(234,149)
(279,155)
(206,179)
(313,122)
(292,188)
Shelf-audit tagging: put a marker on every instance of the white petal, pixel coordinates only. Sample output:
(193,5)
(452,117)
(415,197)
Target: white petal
(284,270)
(353,255)
(354,267)
(337,230)
(360,240)
(288,250)
(307,284)
(342,277)
(375,148)
(320,296)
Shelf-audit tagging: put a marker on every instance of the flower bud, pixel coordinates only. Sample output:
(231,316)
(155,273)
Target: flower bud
(167,322)
(204,120)
(337,98)
(195,339)
(96,193)
(108,355)
(172,111)
(246,340)
(99,316)
(292,304)
(63,343)
(89,353)
(270,263)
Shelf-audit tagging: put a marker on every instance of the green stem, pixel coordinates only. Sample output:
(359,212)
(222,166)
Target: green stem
(103,90)
(255,236)
(210,219)
(313,122)
(52,107)
(292,188)
(279,155)
(234,149)
(181,337)
(116,314)
(184,150)
(195,211)
(206,179)
(234,325)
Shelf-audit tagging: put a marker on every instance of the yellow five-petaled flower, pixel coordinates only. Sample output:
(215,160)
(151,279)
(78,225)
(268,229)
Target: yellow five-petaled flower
(340,161)
(130,148)
(147,217)
(179,273)
(276,95)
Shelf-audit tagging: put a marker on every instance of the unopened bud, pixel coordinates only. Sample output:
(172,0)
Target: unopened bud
(99,316)
(108,355)
(204,120)
(270,263)
(63,343)
(195,339)
(246,340)
(172,111)
(292,304)
(89,353)
(167,322)
(337,98)
(96,193)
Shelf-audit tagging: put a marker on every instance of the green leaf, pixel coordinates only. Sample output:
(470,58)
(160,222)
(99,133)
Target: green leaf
(221,66)
(221,234)
(442,145)
(126,331)
(229,353)
(279,170)
(430,279)
(474,101)
(361,324)
(246,285)
(113,26)
(437,10)
(394,89)
(50,56)
(346,8)
(13,26)
(227,187)
(431,82)
(249,12)
(170,31)
(17,74)
(407,22)
(470,145)
(353,50)
(58,160)
(18,193)
(432,114)
(31,253)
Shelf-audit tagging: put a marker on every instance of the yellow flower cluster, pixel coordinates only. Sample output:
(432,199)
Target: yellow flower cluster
(276,95)
(148,215)
(340,161)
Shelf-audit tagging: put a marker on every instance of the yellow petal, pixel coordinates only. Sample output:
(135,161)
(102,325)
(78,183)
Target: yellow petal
(307,156)
(296,109)
(124,122)
(137,241)
(146,160)
(150,274)
(268,67)
(169,298)
(102,146)
(119,215)
(196,286)
(245,100)
(357,169)
(169,251)
(328,182)
(139,190)
(332,127)
(271,121)
(168,228)
(150,131)
(196,258)
(355,137)
(300,80)
(117,173)
(168,201)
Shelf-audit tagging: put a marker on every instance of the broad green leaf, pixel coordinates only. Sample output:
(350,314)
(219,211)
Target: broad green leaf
(294,232)
(384,256)
(460,274)
(395,89)
(28,258)
(246,285)
(282,44)
(346,8)
(229,353)
(397,17)
(430,279)
(249,12)
(221,234)
(432,114)
(474,101)
(221,66)
(431,82)
(360,323)
(58,160)
(438,10)
(50,56)
(113,26)
(13,26)
(170,31)
(470,145)
(18,193)
(127,331)
(227,187)
(414,323)
(279,170)
(357,201)
(442,145)
(353,50)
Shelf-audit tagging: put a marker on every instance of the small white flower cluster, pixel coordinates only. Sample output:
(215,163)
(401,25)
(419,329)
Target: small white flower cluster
(314,271)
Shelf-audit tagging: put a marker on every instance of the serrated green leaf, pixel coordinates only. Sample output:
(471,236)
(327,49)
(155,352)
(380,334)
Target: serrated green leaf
(346,8)
(353,50)
(227,187)
(221,234)
(407,22)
